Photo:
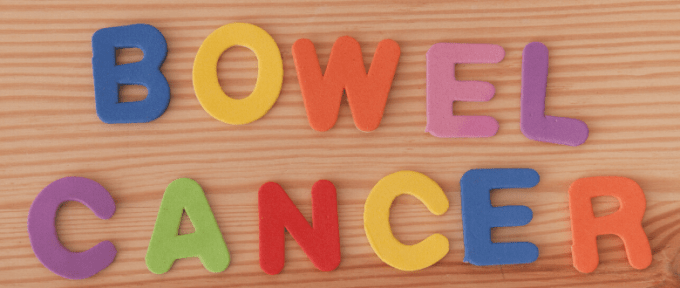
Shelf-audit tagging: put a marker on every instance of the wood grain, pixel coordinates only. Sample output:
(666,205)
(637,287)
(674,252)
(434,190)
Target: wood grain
(613,64)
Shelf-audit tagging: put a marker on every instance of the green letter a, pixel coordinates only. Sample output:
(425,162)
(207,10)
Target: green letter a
(206,243)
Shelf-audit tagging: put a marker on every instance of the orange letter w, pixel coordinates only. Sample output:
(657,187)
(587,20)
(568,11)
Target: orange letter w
(366,93)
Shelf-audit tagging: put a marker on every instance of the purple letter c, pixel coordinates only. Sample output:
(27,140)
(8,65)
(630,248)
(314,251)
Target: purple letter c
(43,233)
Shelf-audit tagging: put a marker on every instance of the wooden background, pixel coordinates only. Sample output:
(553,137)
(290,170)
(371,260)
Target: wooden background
(613,64)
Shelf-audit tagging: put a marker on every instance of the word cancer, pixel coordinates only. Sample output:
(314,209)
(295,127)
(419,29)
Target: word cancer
(321,241)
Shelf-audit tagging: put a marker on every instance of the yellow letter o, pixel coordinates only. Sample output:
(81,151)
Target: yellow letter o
(269,75)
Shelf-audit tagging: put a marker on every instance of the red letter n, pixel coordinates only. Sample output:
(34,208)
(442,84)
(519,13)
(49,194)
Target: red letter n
(625,223)
(366,93)
(321,242)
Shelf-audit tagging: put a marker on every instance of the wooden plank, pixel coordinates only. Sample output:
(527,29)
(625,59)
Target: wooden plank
(613,64)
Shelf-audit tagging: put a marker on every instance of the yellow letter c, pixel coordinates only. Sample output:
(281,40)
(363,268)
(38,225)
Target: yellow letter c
(377,225)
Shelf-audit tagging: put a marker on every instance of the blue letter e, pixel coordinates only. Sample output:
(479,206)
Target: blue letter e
(479,216)
(108,76)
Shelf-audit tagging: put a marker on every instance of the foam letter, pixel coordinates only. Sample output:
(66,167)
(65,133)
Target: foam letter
(108,76)
(377,221)
(321,242)
(443,89)
(206,243)
(366,94)
(269,74)
(479,216)
(43,233)
(625,223)
(534,124)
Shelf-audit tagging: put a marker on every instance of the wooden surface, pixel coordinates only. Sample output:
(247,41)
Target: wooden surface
(613,64)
